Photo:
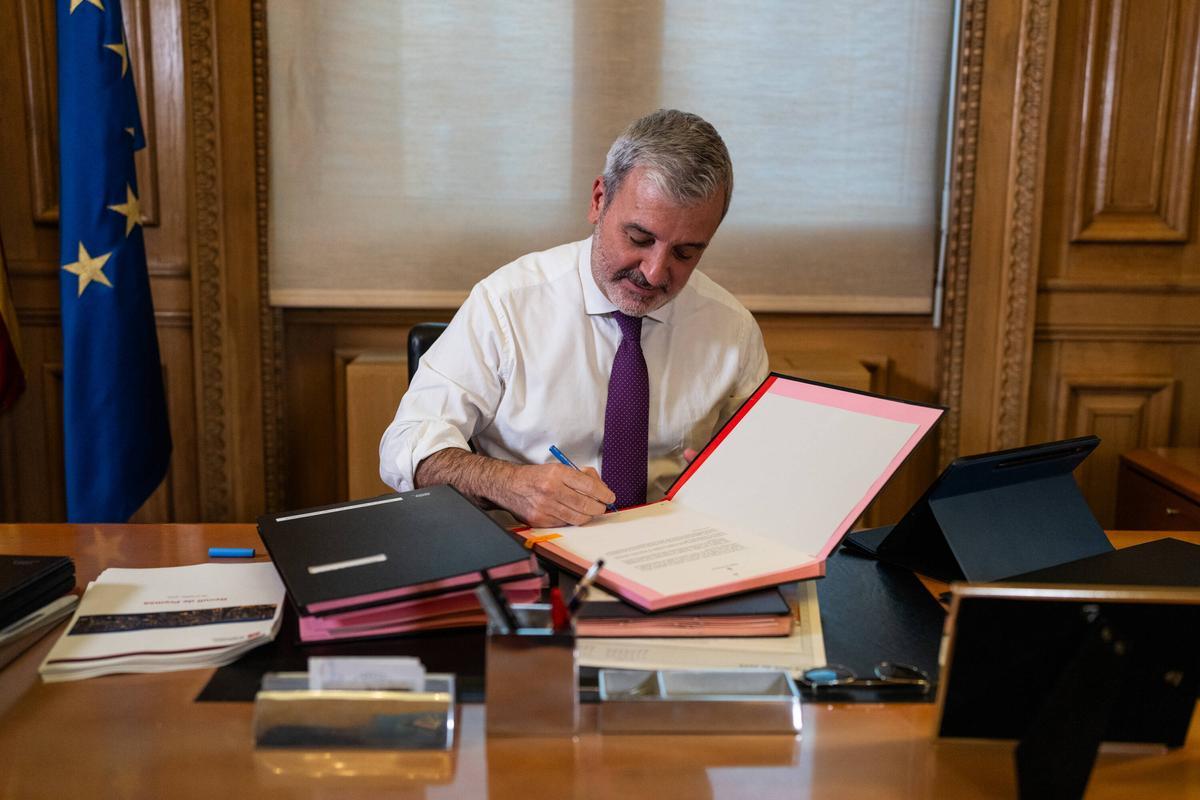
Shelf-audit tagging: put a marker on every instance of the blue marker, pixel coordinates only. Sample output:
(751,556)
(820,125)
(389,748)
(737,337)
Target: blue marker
(554,451)
(231,552)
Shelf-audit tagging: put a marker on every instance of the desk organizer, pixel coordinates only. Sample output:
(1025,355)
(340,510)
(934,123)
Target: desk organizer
(702,701)
(289,714)
(532,677)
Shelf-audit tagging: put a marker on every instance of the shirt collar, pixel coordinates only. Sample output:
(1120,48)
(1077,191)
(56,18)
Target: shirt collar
(594,301)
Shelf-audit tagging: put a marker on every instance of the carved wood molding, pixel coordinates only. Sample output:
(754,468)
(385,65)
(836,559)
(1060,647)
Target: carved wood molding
(205,239)
(1022,223)
(270,319)
(969,65)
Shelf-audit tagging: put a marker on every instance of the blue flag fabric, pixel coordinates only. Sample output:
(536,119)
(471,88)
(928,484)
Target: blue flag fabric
(117,441)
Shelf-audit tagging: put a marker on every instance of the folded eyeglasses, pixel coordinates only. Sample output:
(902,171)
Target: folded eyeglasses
(889,677)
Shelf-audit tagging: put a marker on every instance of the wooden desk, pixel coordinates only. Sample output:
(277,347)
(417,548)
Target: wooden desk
(143,736)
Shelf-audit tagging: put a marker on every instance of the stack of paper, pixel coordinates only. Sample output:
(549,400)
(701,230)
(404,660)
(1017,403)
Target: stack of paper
(172,618)
(394,564)
(803,649)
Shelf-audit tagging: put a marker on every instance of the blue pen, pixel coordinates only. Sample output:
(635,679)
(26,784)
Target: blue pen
(554,451)
(231,552)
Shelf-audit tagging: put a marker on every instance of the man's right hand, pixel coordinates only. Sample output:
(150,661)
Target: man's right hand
(542,495)
(551,495)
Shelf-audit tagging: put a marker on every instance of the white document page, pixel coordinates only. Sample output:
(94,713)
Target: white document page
(791,470)
(672,550)
(172,610)
(803,649)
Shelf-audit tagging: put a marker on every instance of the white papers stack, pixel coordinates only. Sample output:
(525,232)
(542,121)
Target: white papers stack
(803,649)
(171,618)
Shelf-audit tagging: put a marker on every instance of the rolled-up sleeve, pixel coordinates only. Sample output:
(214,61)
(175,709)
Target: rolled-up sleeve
(454,393)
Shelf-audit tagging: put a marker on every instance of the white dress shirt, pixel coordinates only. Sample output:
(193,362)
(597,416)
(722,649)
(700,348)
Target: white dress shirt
(525,363)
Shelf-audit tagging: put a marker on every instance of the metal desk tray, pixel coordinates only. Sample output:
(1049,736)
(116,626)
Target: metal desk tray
(700,701)
(289,715)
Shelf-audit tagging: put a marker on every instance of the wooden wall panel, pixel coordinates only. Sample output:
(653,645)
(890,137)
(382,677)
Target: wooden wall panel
(373,384)
(1117,336)
(40,82)
(1127,413)
(1121,185)
(1138,121)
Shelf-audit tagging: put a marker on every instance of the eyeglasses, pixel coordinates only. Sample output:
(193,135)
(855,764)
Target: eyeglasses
(889,677)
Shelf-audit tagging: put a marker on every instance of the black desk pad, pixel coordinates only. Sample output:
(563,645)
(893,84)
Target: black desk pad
(872,612)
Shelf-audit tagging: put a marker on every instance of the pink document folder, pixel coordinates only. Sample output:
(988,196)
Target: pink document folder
(765,502)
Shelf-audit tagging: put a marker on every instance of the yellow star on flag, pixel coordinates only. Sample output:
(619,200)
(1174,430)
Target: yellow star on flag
(89,269)
(119,49)
(77,3)
(131,208)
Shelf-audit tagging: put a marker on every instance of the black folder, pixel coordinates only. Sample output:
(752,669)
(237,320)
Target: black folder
(1162,562)
(991,516)
(359,550)
(762,602)
(873,611)
(29,582)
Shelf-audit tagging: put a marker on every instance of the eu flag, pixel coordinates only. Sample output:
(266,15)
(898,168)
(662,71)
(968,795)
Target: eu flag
(117,442)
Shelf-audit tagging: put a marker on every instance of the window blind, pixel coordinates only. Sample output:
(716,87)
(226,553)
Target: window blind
(416,146)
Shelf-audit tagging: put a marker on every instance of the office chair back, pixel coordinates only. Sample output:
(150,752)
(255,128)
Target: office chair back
(420,337)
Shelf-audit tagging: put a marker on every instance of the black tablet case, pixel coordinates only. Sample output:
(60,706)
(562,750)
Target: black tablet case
(427,535)
(988,517)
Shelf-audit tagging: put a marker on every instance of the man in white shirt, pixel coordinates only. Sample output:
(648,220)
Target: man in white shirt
(612,348)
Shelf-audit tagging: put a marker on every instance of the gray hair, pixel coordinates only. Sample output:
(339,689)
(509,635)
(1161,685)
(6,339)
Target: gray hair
(684,156)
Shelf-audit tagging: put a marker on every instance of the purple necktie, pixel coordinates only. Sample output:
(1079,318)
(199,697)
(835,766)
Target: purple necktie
(627,417)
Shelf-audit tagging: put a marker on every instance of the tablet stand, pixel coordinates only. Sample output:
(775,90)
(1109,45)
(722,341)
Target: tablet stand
(991,516)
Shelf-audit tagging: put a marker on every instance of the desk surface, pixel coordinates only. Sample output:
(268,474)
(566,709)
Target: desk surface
(143,736)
